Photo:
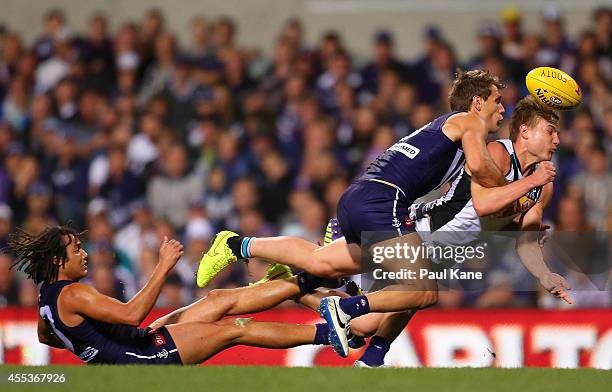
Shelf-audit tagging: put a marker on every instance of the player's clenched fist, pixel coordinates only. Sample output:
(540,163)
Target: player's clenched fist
(544,173)
(169,253)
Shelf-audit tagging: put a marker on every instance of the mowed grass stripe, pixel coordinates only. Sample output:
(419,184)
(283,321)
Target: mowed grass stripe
(257,378)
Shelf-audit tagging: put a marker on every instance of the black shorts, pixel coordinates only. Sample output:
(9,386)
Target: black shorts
(376,208)
(158,348)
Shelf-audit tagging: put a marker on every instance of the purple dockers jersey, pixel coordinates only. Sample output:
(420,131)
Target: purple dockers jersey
(92,341)
(420,162)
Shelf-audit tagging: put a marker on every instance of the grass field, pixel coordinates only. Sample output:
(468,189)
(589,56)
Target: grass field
(254,378)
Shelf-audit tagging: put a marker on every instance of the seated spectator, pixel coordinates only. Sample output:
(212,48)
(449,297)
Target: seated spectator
(9,287)
(6,216)
(169,193)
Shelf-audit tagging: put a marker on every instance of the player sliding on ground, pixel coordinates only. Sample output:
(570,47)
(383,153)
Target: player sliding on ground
(379,202)
(101,329)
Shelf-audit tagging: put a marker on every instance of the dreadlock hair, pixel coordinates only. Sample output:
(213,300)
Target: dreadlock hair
(40,256)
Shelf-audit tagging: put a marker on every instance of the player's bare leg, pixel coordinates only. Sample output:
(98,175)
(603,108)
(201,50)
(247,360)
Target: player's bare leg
(409,294)
(390,325)
(364,326)
(198,341)
(242,300)
(334,260)
(313,300)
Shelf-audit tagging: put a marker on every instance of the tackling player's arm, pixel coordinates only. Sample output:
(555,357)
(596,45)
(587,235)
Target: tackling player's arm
(487,201)
(46,336)
(83,300)
(530,252)
(479,163)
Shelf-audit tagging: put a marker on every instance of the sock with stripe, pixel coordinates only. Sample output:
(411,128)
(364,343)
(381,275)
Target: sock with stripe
(241,246)
(322,334)
(374,355)
(355,306)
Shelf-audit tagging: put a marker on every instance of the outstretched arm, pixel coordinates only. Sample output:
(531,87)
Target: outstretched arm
(530,253)
(83,300)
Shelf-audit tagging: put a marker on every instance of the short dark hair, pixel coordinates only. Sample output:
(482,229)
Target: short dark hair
(470,84)
(55,13)
(40,256)
(528,111)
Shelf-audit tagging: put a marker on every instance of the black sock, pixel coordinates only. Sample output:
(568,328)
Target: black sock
(307,282)
(332,283)
(235,243)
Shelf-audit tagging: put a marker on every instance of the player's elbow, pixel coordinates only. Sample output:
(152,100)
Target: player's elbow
(133,321)
(525,240)
(481,207)
(427,299)
(130,317)
(477,167)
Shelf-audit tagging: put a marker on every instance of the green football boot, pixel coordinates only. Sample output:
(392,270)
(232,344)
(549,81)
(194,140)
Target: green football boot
(274,272)
(218,257)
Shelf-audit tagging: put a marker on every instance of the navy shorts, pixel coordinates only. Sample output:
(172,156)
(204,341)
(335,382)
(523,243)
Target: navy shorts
(373,207)
(157,348)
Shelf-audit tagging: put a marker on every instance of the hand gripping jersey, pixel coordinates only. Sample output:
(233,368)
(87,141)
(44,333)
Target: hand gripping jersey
(420,162)
(95,341)
(454,212)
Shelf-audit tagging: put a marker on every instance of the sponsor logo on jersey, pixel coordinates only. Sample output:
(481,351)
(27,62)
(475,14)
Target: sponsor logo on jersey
(158,338)
(89,354)
(408,222)
(534,194)
(529,199)
(405,148)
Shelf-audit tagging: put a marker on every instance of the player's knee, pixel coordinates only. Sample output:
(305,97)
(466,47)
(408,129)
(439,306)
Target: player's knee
(364,330)
(221,297)
(230,329)
(216,294)
(427,298)
(323,269)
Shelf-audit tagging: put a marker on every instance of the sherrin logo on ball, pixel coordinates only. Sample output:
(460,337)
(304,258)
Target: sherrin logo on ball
(554,88)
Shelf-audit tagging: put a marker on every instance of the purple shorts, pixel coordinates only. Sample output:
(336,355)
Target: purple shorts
(157,349)
(374,207)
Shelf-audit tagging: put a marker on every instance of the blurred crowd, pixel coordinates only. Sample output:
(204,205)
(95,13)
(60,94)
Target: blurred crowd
(134,135)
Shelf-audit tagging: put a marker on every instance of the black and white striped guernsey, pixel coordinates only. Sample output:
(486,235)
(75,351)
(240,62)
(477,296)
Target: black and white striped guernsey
(454,212)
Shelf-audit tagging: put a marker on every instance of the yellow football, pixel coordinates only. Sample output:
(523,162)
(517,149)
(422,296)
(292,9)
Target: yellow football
(554,88)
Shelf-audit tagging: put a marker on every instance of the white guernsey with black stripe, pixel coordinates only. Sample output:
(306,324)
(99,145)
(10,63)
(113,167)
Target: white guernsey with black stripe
(454,212)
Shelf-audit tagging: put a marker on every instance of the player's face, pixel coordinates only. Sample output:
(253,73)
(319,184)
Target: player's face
(76,266)
(493,110)
(543,140)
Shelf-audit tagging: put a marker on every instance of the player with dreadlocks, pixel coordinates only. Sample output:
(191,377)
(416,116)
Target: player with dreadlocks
(101,329)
